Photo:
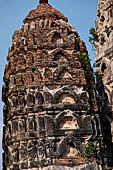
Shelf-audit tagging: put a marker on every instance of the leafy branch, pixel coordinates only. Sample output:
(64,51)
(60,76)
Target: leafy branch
(89,149)
(94,37)
(84,59)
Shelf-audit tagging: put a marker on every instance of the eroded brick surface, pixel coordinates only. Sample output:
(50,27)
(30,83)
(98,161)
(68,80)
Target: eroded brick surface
(51,110)
(104,60)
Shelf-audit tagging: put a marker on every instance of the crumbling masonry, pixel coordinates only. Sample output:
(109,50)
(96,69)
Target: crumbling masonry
(52,111)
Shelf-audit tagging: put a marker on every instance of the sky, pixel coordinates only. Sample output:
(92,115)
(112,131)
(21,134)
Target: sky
(81,14)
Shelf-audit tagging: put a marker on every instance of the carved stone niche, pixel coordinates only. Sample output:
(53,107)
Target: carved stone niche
(13,102)
(65,96)
(42,154)
(23,155)
(31,127)
(70,147)
(70,151)
(30,99)
(84,97)
(14,128)
(105,67)
(15,152)
(41,149)
(21,101)
(66,120)
(57,39)
(48,98)
(32,154)
(66,99)
(60,58)
(87,122)
(40,126)
(39,100)
(49,126)
(22,127)
(63,73)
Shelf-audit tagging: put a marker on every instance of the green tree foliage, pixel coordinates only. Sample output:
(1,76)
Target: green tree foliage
(89,149)
(94,37)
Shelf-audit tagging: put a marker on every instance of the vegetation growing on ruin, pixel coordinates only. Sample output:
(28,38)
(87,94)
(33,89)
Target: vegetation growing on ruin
(89,149)
(84,59)
(33,68)
(107,30)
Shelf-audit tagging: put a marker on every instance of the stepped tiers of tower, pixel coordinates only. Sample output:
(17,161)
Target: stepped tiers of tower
(45,12)
(51,113)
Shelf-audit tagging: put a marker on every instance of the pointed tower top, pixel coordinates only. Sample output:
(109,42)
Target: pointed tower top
(44,11)
(43,1)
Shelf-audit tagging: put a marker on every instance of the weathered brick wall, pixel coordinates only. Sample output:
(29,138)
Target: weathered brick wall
(50,110)
(104,61)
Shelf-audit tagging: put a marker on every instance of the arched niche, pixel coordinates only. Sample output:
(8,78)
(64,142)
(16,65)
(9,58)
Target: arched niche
(14,102)
(30,99)
(105,65)
(49,125)
(53,24)
(39,98)
(69,147)
(65,74)
(104,69)
(66,120)
(48,98)
(65,96)
(68,123)
(21,101)
(21,127)
(87,123)
(56,38)
(58,52)
(60,57)
(14,128)
(102,18)
(70,151)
